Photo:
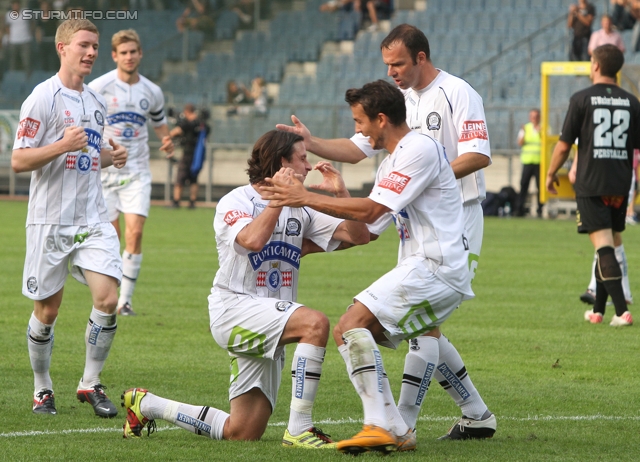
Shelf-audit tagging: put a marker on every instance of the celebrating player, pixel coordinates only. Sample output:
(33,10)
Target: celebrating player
(253,309)
(605,120)
(415,187)
(132,101)
(60,140)
(448,109)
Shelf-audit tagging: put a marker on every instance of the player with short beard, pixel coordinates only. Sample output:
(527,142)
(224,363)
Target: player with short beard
(449,110)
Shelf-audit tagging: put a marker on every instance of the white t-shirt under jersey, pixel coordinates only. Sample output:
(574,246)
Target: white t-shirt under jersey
(67,190)
(450,111)
(129,107)
(273,271)
(417,183)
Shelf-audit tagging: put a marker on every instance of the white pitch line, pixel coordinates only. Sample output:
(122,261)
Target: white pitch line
(544,418)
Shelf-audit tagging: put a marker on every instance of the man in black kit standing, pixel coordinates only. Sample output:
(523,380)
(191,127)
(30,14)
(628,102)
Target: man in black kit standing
(605,121)
(189,128)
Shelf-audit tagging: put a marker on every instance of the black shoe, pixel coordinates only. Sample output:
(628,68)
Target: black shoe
(126,310)
(468,429)
(175,204)
(589,297)
(192,204)
(102,406)
(43,403)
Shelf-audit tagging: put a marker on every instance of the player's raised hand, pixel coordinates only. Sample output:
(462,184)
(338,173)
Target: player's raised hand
(75,138)
(118,154)
(332,180)
(298,128)
(167,146)
(284,189)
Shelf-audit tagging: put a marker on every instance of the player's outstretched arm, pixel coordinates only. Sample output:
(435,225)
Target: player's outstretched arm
(338,149)
(29,159)
(290,192)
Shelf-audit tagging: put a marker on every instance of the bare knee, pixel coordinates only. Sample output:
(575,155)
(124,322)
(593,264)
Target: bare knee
(316,329)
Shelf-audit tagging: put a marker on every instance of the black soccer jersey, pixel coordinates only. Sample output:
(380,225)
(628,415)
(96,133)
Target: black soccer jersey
(606,121)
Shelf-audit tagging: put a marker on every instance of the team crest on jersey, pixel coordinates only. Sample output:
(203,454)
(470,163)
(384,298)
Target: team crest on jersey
(293,227)
(144,104)
(32,285)
(99,118)
(274,278)
(434,121)
(83,164)
(283,306)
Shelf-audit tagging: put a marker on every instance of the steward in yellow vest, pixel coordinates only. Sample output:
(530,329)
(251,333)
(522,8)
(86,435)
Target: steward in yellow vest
(529,140)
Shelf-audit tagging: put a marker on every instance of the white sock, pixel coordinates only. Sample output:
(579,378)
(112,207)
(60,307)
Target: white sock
(201,420)
(365,363)
(305,373)
(419,366)
(453,377)
(130,271)
(592,281)
(40,345)
(397,423)
(101,329)
(622,260)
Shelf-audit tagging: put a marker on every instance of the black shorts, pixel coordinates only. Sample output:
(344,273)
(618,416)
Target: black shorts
(601,212)
(184,172)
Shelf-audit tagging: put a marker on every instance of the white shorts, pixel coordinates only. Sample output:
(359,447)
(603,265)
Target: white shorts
(54,250)
(250,329)
(409,300)
(127,193)
(474,226)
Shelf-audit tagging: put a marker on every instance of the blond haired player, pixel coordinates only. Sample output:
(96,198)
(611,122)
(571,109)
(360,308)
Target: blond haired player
(60,140)
(133,102)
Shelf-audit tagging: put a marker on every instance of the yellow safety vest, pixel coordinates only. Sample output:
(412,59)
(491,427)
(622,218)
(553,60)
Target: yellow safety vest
(530,153)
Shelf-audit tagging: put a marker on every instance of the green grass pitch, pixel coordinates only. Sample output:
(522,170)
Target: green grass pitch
(561,388)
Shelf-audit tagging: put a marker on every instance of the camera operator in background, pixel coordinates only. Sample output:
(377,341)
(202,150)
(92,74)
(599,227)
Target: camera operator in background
(193,130)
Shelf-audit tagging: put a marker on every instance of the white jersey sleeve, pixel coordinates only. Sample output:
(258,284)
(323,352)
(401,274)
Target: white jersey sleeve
(156,108)
(410,172)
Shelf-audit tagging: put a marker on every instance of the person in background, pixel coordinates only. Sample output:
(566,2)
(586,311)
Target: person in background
(133,103)
(579,20)
(605,121)
(189,127)
(605,35)
(529,141)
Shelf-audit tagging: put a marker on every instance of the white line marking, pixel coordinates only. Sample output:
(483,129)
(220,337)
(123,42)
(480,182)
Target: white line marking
(548,418)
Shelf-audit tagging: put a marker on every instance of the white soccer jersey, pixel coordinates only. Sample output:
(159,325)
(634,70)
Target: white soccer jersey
(273,271)
(418,185)
(129,107)
(67,190)
(450,111)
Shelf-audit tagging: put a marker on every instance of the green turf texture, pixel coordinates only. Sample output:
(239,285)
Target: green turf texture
(561,389)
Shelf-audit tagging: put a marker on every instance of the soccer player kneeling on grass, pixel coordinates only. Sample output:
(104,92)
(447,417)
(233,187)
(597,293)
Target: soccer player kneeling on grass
(253,309)
(416,189)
